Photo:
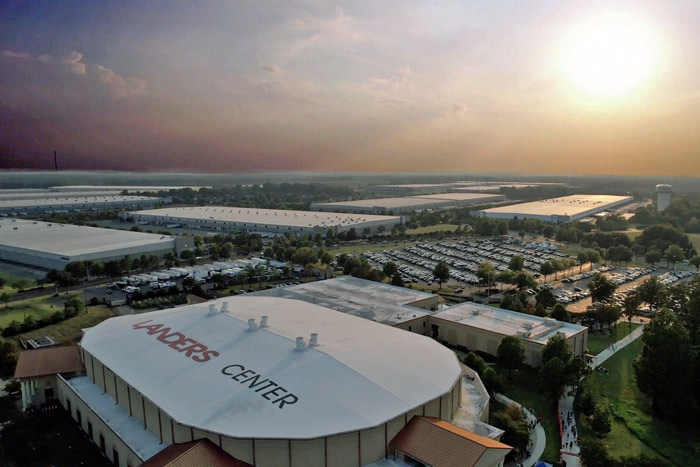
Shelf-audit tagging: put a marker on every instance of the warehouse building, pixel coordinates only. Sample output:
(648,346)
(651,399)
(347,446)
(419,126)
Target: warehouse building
(127,188)
(566,209)
(240,373)
(264,221)
(19,207)
(51,246)
(408,203)
(481,328)
(46,194)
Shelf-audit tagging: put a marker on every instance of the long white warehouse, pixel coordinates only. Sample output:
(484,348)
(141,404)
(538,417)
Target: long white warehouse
(273,221)
(52,246)
(557,210)
(16,207)
(409,203)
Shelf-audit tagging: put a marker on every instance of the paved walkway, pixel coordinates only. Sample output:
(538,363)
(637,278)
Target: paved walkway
(538,439)
(622,343)
(567,424)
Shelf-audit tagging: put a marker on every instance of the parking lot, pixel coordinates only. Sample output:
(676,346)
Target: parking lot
(416,263)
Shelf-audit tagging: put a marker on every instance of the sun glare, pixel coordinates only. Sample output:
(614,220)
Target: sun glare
(610,55)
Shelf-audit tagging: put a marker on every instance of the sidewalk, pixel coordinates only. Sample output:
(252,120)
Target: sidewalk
(622,343)
(567,420)
(537,437)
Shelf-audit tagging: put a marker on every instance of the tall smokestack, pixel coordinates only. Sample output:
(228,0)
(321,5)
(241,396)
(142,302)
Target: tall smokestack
(55,161)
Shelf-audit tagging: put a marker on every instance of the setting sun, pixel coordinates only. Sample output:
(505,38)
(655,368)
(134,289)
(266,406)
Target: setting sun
(610,55)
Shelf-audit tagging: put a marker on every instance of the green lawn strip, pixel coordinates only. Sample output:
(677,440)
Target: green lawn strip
(11,279)
(695,240)
(36,307)
(599,341)
(69,331)
(357,249)
(635,430)
(525,389)
(432,228)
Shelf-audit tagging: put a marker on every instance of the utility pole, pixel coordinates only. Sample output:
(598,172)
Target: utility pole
(55,161)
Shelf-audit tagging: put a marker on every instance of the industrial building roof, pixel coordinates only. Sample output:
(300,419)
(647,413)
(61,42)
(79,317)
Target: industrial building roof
(39,194)
(387,203)
(508,323)
(564,206)
(279,217)
(70,240)
(129,188)
(61,200)
(476,197)
(210,371)
(198,453)
(376,301)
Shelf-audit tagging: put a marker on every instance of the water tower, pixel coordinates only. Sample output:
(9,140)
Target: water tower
(663,196)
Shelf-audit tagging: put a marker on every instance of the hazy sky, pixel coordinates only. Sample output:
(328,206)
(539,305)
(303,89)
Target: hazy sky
(469,86)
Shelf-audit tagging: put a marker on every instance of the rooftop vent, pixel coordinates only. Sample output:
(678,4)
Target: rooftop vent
(300,344)
(263,322)
(475,311)
(212,308)
(313,342)
(251,324)
(224,307)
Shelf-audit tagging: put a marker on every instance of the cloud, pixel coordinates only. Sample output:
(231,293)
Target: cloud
(121,87)
(403,70)
(272,68)
(73,63)
(45,58)
(16,55)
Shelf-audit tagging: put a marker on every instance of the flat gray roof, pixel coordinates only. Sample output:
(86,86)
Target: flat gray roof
(279,217)
(376,301)
(564,206)
(26,203)
(129,188)
(476,197)
(38,194)
(508,323)
(71,240)
(387,203)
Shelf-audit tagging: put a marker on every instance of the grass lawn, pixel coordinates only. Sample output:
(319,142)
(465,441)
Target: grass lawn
(599,341)
(69,330)
(525,389)
(37,308)
(432,228)
(635,430)
(11,280)
(695,240)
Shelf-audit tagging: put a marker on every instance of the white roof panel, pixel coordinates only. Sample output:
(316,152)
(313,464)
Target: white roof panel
(564,206)
(361,375)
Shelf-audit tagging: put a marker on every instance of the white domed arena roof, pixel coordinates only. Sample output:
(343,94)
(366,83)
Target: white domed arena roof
(210,371)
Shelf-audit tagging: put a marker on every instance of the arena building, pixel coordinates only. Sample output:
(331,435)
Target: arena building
(264,221)
(408,203)
(557,210)
(241,373)
(51,245)
(18,207)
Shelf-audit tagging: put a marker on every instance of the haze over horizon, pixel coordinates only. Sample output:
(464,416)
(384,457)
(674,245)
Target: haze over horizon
(522,87)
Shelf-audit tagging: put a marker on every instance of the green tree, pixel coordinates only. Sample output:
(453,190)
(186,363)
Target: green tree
(556,347)
(548,232)
(516,263)
(662,369)
(441,272)
(651,291)
(524,281)
(326,258)
(546,298)
(554,378)
(5,297)
(652,257)
(546,269)
(593,257)
(695,261)
(486,273)
(601,288)
(304,256)
(582,257)
(396,280)
(559,313)
(595,454)
(584,402)
(600,423)
(673,254)
(510,353)
(390,268)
